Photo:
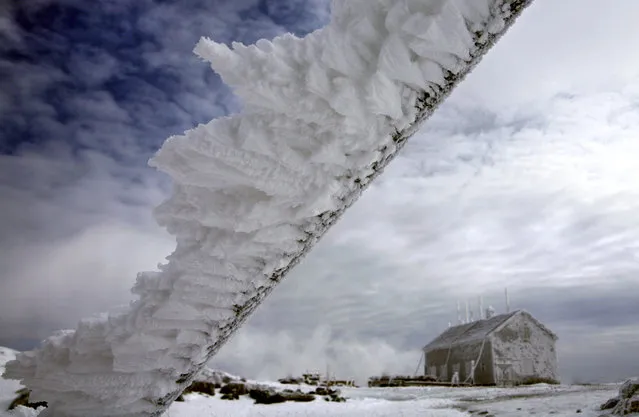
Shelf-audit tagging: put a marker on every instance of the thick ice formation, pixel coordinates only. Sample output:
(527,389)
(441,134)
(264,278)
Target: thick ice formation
(323,115)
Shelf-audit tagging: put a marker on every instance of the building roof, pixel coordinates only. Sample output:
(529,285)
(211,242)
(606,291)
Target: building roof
(469,332)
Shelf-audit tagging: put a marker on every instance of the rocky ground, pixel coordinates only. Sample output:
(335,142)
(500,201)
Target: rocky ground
(230,388)
(627,402)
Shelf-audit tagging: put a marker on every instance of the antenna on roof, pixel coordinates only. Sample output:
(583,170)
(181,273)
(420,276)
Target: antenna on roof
(459,320)
(466,311)
(507,301)
(481,308)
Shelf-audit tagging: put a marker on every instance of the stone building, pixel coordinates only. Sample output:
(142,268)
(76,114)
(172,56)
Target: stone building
(504,349)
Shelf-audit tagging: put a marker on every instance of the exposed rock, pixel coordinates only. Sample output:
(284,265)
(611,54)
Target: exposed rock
(299,397)
(275,399)
(202,387)
(398,380)
(266,396)
(262,394)
(217,377)
(628,400)
(237,388)
(291,381)
(629,388)
(23,400)
(330,394)
(610,404)
(327,391)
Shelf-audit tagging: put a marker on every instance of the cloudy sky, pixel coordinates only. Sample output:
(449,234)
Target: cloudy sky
(525,178)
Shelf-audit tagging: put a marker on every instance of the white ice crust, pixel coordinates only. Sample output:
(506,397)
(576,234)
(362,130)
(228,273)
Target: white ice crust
(252,190)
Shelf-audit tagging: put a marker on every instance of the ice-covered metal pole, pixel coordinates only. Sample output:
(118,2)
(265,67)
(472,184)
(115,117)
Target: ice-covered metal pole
(253,193)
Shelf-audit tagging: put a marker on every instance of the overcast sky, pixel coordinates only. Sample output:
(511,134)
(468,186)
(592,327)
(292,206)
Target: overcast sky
(526,178)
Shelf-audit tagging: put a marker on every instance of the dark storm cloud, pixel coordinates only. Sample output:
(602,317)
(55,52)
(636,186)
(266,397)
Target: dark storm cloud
(88,91)
(77,69)
(590,306)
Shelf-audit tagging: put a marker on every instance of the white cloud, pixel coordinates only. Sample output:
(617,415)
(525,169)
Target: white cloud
(53,284)
(265,354)
(76,229)
(556,201)
(557,47)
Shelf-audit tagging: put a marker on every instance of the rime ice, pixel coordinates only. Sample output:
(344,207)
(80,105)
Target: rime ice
(323,115)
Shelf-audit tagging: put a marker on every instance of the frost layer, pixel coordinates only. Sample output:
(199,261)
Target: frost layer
(253,193)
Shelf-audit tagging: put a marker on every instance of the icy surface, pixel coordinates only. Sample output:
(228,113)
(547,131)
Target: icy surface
(541,400)
(323,115)
(7,387)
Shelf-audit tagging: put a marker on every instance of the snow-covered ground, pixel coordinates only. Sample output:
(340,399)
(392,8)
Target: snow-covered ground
(196,405)
(538,400)
(7,387)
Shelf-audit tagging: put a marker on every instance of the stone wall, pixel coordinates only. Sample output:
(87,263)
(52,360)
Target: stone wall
(527,347)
